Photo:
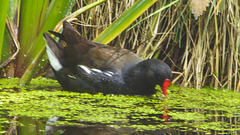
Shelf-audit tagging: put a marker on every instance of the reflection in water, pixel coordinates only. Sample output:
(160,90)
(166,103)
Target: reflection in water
(100,130)
(165,114)
(89,128)
(34,126)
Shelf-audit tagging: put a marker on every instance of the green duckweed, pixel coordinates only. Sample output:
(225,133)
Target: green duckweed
(188,109)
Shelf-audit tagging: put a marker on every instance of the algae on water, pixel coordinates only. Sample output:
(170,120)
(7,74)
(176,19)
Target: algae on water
(189,109)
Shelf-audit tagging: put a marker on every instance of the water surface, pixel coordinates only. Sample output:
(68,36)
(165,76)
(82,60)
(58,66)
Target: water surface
(43,108)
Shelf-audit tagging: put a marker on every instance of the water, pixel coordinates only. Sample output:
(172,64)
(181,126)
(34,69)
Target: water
(42,108)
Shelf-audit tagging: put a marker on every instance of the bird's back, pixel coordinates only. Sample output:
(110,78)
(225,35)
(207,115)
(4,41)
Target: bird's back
(78,50)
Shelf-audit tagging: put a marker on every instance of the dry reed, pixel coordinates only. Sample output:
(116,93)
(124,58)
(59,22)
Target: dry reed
(200,52)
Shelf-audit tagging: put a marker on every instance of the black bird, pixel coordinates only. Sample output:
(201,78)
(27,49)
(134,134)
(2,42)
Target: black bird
(85,66)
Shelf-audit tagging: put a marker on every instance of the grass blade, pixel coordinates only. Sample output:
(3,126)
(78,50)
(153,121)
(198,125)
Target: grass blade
(156,12)
(124,21)
(3,14)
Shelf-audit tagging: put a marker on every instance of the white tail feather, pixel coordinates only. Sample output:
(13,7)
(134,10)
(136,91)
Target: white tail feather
(55,63)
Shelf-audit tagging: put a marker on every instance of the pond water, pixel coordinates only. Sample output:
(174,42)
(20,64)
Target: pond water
(42,108)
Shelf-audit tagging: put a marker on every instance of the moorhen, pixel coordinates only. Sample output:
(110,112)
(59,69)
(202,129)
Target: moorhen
(85,66)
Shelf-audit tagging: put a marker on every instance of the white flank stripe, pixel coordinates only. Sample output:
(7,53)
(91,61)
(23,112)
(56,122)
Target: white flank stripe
(97,70)
(53,59)
(85,68)
(108,74)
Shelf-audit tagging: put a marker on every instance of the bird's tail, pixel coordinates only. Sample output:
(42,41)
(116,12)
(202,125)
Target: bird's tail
(54,52)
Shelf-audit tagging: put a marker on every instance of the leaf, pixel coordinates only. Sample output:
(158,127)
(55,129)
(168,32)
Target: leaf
(3,14)
(56,11)
(156,12)
(38,50)
(124,21)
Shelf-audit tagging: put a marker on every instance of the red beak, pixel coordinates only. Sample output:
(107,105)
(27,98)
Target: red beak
(165,86)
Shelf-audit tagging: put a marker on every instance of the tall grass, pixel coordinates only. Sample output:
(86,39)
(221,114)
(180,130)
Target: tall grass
(201,51)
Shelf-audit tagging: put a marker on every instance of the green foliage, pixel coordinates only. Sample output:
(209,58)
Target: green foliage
(3,14)
(35,53)
(30,56)
(29,19)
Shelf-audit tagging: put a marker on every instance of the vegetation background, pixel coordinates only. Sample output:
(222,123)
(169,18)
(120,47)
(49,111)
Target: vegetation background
(199,39)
